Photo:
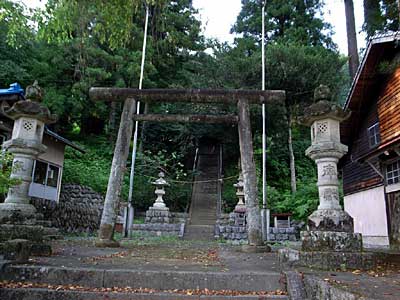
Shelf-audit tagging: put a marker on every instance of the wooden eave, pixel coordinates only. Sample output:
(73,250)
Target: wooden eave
(392,145)
(367,82)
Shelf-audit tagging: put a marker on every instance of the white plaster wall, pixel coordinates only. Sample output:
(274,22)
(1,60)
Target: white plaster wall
(368,209)
(55,151)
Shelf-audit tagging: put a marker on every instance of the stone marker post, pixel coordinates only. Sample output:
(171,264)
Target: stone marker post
(26,145)
(330,228)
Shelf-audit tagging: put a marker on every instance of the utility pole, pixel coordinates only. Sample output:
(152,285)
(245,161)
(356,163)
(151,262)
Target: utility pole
(264,210)
(129,214)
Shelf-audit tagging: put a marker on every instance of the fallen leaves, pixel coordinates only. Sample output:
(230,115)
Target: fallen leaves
(121,254)
(130,290)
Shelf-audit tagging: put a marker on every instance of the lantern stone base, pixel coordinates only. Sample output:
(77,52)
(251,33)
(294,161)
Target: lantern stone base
(330,220)
(331,241)
(16,212)
(158,215)
(18,241)
(328,260)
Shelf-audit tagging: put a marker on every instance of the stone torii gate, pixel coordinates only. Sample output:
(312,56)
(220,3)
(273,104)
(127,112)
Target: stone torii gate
(241,98)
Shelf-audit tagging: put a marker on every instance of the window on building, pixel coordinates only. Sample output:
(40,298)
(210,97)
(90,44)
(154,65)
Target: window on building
(40,172)
(45,181)
(52,176)
(393,172)
(374,136)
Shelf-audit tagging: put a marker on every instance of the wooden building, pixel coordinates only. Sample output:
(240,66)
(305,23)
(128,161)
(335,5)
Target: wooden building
(371,169)
(48,168)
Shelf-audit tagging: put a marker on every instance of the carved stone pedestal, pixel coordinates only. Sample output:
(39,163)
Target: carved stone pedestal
(155,215)
(331,241)
(329,228)
(330,231)
(159,212)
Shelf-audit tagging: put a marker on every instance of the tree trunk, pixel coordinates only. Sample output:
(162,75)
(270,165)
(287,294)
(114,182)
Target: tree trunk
(293,184)
(351,38)
(142,132)
(249,175)
(118,167)
(398,12)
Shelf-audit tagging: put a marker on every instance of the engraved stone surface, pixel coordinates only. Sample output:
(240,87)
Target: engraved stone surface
(330,228)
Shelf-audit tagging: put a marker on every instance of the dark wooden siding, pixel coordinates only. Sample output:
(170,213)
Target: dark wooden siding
(357,175)
(389,109)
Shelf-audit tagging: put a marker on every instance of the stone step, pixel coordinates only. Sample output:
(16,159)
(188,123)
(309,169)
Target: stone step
(199,230)
(158,280)
(47,294)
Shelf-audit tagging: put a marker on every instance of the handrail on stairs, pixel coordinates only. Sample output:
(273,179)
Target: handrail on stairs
(194,168)
(219,182)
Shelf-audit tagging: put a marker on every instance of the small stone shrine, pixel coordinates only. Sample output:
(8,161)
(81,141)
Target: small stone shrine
(159,212)
(19,224)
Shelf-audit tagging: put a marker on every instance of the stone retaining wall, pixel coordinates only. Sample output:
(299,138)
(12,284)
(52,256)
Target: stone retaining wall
(78,210)
(283,234)
(176,227)
(159,229)
(231,227)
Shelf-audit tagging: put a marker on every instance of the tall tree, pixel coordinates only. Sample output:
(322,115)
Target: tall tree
(291,21)
(380,15)
(295,22)
(351,38)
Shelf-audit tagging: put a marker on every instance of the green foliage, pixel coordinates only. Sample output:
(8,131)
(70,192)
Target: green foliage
(5,170)
(291,21)
(79,44)
(380,16)
(18,28)
(80,169)
(301,204)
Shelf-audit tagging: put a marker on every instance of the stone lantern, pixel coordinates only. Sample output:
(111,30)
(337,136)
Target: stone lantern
(159,212)
(240,206)
(25,145)
(238,216)
(330,228)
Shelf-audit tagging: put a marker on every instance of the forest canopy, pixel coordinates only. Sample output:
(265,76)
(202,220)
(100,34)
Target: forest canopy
(70,46)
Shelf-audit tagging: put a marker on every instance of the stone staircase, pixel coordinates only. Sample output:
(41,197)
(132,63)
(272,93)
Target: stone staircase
(63,283)
(203,209)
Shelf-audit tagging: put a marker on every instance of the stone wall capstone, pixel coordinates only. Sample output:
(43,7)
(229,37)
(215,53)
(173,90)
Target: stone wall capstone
(78,210)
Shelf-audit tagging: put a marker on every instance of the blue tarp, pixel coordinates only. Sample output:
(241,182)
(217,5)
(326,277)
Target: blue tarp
(14,89)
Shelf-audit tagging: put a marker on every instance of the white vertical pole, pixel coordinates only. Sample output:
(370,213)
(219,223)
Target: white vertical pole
(264,211)
(135,135)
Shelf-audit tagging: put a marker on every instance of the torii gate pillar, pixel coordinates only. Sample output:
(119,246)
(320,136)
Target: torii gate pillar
(249,174)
